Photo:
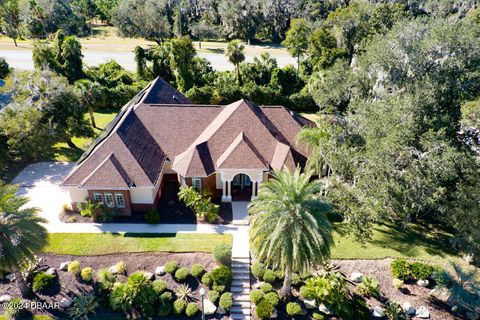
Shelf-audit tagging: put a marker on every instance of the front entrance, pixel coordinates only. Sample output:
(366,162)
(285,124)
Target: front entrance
(241,187)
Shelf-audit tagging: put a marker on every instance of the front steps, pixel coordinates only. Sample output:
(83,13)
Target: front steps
(241,289)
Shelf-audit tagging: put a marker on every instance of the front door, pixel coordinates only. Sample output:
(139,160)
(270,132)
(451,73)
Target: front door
(241,180)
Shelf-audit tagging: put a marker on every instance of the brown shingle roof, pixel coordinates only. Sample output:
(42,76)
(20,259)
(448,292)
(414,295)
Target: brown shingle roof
(198,139)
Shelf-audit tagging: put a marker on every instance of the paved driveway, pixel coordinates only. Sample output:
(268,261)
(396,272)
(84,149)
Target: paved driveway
(40,183)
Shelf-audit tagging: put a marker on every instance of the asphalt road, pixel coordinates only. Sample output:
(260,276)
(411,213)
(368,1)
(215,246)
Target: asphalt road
(22,59)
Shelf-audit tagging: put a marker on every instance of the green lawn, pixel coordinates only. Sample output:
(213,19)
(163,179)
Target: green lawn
(416,242)
(82,244)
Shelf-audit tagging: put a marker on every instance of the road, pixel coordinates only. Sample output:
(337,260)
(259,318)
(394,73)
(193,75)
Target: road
(21,59)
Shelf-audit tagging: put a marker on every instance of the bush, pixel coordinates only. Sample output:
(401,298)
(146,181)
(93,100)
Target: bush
(87,274)
(13,311)
(74,267)
(369,287)
(171,267)
(256,296)
(222,276)
(106,214)
(400,269)
(197,270)
(296,279)
(269,276)
(397,283)
(293,309)
(305,293)
(181,274)
(152,216)
(179,306)
(82,306)
(159,286)
(258,269)
(42,282)
(166,297)
(213,296)
(191,309)
(279,274)
(394,311)
(137,294)
(120,267)
(272,298)
(226,301)
(207,279)
(164,309)
(219,288)
(421,270)
(318,316)
(118,298)
(266,287)
(106,279)
(264,309)
(222,253)
(201,205)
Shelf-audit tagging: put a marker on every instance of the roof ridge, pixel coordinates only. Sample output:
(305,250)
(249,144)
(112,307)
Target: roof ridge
(234,145)
(113,159)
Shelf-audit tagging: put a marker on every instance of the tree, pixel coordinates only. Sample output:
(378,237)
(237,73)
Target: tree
(277,14)
(10,18)
(86,9)
(289,227)
(240,18)
(21,233)
(92,96)
(236,55)
(106,9)
(182,53)
(296,40)
(4,68)
(322,48)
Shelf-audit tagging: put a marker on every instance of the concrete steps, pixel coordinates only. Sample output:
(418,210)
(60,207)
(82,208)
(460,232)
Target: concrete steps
(241,289)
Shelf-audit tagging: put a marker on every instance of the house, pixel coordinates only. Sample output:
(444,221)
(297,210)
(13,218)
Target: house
(162,137)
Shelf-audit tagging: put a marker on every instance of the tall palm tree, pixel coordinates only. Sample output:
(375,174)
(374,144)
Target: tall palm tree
(289,227)
(235,55)
(21,233)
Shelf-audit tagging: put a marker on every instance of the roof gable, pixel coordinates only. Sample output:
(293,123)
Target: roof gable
(241,154)
(110,172)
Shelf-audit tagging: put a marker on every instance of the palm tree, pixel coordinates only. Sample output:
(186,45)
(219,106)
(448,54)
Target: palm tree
(92,96)
(289,227)
(235,55)
(21,233)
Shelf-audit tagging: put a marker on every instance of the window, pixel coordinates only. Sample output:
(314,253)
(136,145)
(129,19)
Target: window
(97,197)
(120,200)
(196,183)
(109,200)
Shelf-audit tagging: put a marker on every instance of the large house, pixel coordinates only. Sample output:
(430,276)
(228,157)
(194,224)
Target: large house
(161,136)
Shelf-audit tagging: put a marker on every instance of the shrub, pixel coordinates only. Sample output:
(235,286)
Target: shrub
(152,216)
(13,311)
(42,282)
(222,276)
(197,270)
(118,298)
(184,292)
(213,296)
(82,306)
(256,296)
(179,306)
(159,286)
(191,309)
(106,214)
(397,283)
(207,279)
(87,274)
(258,269)
(164,309)
(171,267)
(120,267)
(369,287)
(269,276)
(200,203)
(219,288)
(421,270)
(318,316)
(305,293)
(400,269)
(222,253)
(330,288)
(137,294)
(166,297)
(106,279)
(296,279)
(264,309)
(394,311)
(272,298)
(359,305)
(278,274)
(181,274)
(74,267)
(266,287)
(88,209)
(293,309)
(226,301)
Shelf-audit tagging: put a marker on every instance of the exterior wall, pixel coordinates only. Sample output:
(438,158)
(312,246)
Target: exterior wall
(127,211)
(229,174)
(76,196)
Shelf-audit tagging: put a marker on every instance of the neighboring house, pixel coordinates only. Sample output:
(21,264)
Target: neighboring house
(161,137)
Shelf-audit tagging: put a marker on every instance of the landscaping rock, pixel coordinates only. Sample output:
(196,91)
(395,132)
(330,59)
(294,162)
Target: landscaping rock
(51,271)
(5,298)
(65,302)
(324,309)
(408,309)
(442,294)
(258,284)
(10,277)
(423,283)
(150,276)
(378,312)
(160,271)
(64,266)
(274,314)
(209,307)
(423,313)
(221,311)
(310,304)
(356,277)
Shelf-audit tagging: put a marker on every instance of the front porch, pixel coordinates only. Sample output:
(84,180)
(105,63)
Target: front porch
(240,185)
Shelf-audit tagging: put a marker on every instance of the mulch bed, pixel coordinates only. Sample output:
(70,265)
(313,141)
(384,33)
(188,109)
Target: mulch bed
(69,285)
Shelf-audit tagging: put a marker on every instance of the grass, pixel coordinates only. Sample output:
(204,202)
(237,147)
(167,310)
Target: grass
(88,244)
(416,242)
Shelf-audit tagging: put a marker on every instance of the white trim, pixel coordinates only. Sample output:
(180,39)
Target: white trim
(107,202)
(116,200)
(199,180)
(95,194)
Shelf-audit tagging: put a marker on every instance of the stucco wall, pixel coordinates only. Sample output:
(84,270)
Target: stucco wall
(77,195)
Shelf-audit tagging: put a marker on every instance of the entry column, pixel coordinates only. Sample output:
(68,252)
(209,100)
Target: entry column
(227,191)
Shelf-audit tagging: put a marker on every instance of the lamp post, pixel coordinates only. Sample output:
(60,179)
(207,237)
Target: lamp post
(202,294)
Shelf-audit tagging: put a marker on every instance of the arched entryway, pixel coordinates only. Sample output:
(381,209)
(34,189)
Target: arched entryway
(241,187)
